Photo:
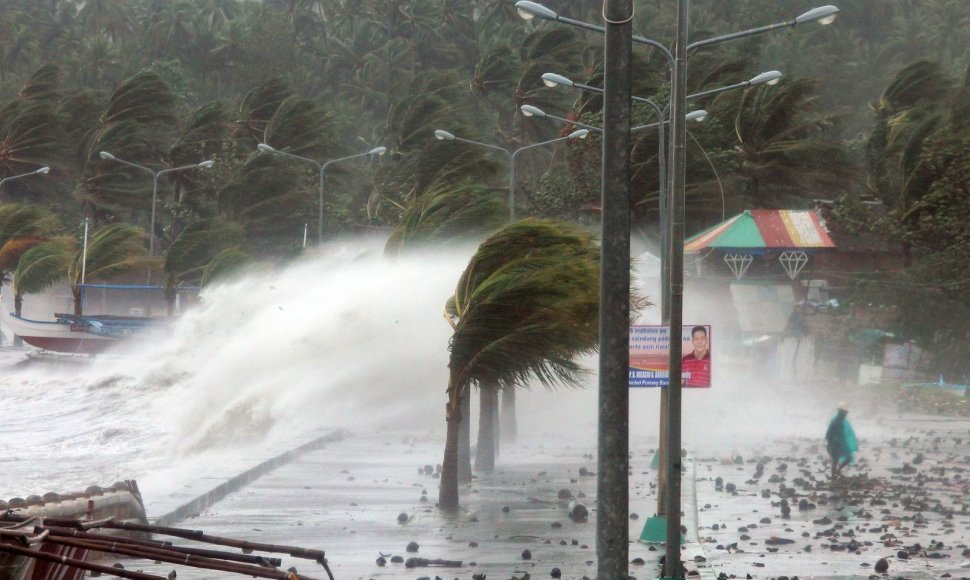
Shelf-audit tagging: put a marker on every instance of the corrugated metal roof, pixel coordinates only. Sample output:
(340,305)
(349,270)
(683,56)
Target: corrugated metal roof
(758,231)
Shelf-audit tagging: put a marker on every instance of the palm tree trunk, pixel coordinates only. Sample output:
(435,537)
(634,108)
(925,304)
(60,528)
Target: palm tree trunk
(485,452)
(510,429)
(465,441)
(18,306)
(448,490)
(496,427)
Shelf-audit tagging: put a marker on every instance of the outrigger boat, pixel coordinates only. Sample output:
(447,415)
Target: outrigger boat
(95,333)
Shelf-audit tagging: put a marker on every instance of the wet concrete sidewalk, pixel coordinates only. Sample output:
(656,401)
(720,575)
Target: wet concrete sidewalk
(369,496)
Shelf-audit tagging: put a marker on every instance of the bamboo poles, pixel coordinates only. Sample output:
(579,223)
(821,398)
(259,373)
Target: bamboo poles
(73,533)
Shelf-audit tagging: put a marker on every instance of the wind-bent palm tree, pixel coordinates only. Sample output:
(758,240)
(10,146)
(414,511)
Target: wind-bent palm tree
(525,306)
(908,112)
(113,250)
(40,267)
(446,213)
(134,125)
(191,253)
(787,153)
(22,226)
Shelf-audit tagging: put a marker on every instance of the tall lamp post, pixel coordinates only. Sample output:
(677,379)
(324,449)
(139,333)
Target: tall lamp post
(577,134)
(156,173)
(614,330)
(322,170)
(40,171)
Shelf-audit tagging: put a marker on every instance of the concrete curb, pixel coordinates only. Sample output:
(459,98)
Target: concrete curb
(207,499)
(693,551)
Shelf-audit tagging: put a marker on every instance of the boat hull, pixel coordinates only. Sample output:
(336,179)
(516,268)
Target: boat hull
(58,336)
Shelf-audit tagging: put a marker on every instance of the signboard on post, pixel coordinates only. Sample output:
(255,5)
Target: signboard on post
(650,356)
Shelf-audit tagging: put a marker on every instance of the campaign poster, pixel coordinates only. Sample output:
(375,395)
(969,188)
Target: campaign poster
(650,356)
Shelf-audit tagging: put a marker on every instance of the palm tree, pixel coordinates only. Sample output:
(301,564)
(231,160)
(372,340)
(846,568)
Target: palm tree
(446,213)
(193,250)
(225,264)
(113,250)
(524,307)
(787,150)
(22,226)
(134,125)
(909,111)
(40,267)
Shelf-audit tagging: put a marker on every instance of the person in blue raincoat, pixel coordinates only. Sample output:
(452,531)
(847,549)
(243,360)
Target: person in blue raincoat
(840,441)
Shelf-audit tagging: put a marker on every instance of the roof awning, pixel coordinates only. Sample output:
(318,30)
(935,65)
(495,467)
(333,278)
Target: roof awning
(792,234)
(762,231)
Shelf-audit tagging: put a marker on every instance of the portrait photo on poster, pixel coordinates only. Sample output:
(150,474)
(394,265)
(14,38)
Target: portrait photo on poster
(696,363)
(650,356)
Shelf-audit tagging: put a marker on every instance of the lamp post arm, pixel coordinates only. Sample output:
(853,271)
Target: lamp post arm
(295,156)
(332,161)
(572,122)
(740,34)
(135,165)
(480,144)
(741,85)
(174,169)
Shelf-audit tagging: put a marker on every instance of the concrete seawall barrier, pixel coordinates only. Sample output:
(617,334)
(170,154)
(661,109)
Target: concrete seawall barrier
(201,502)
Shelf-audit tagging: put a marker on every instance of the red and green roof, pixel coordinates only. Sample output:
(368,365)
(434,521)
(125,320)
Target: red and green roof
(758,231)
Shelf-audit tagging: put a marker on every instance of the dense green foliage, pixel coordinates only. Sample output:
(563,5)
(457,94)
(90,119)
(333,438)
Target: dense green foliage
(870,107)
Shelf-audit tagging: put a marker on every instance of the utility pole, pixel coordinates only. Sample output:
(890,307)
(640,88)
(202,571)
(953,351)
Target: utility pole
(612,514)
(675,247)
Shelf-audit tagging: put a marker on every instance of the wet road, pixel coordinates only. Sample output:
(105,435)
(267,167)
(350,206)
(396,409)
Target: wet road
(905,501)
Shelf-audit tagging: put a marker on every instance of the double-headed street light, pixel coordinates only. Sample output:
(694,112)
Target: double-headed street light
(772,77)
(156,173)
(512,154)
(612,483)
(322,169)
(824,15)
(530,111)
(40,171)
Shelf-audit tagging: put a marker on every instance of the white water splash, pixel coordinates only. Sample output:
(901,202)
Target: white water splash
(341,338)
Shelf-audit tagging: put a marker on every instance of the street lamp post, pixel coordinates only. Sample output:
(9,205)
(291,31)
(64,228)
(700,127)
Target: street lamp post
(614,333)
(155,175)
(530,111)
(768,78)
(40,171)
(322,170)
(577,134)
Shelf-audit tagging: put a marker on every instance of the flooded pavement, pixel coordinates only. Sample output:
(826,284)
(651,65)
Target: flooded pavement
(901,511)
(368,497)
(769,511)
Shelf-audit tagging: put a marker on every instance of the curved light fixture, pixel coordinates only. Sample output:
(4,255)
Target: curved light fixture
(43,170)
(265,148)
(443,135)
(770,77)
(824,15)
(578,134)
(206,164)
(529,10)
(530,111)
(698,115)
(106,155)
(553,80)
(378,150)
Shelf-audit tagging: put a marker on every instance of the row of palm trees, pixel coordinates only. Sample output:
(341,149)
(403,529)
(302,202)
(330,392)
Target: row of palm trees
(212,79)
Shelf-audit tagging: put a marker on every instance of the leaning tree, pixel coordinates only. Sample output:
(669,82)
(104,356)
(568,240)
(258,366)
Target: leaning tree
(524,308)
